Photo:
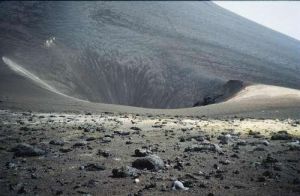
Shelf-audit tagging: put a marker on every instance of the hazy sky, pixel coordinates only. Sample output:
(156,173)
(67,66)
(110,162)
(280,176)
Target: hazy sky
(282,16)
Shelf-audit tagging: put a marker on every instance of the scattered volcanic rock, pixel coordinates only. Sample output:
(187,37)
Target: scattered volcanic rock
(57,142)
(21,188)
(34,176)
(128,142)
(265,142)
(90,139)
(80,143)
(296,181)
(150,185)
(281,135)
(106,140)
(151,162)
(104,153)
(10,165)
(64,150)
(142,152)
(24,128)
(204,147)
(224,139)
(259,149)
(241,142)
(268,174)
(294,145)
(255,134)
(27,150)
(122,133)
(269,161)
(199,138)
(178,165)
(261,179)
(200,169)
(124,172)
(225,162)
(135,128)
(93,167)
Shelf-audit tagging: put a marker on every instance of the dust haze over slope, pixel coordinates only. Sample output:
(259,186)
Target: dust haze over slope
(148,54)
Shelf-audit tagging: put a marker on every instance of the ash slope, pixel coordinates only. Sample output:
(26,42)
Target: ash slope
(255,101)
(148,54)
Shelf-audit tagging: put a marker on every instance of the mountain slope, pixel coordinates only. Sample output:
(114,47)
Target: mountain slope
(148,54)
(23,93)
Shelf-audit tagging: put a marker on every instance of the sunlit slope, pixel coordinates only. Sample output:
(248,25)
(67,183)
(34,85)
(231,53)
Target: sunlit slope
(149,54)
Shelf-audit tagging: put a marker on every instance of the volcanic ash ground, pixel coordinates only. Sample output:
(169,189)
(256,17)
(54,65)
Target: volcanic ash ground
(119,154)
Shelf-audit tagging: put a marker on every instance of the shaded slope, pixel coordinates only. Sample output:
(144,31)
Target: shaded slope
(149,54)
(227,91)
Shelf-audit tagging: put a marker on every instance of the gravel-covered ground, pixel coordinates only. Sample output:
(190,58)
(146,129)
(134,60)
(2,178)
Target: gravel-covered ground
(117,154)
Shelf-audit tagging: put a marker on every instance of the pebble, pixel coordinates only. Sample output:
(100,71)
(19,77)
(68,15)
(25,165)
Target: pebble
(90,139)
(22,190)
(281,135)
(10,165)
(135,128)
(294,145)
(199,138)
(57,142)
(177,185)
(34,176)
(80,143)
(258,149)
(106,140)
(266,142)
(254,133)
(204,147)
(224,139)
(122,133)
(178,165)
(64,150)
(27,150)
(126,171)
(104,153)
(142,152)
(226,162)
(150,162)
(93,167)
(128,142)
(296,181)
(150,185)
(261,179)
(241,143)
